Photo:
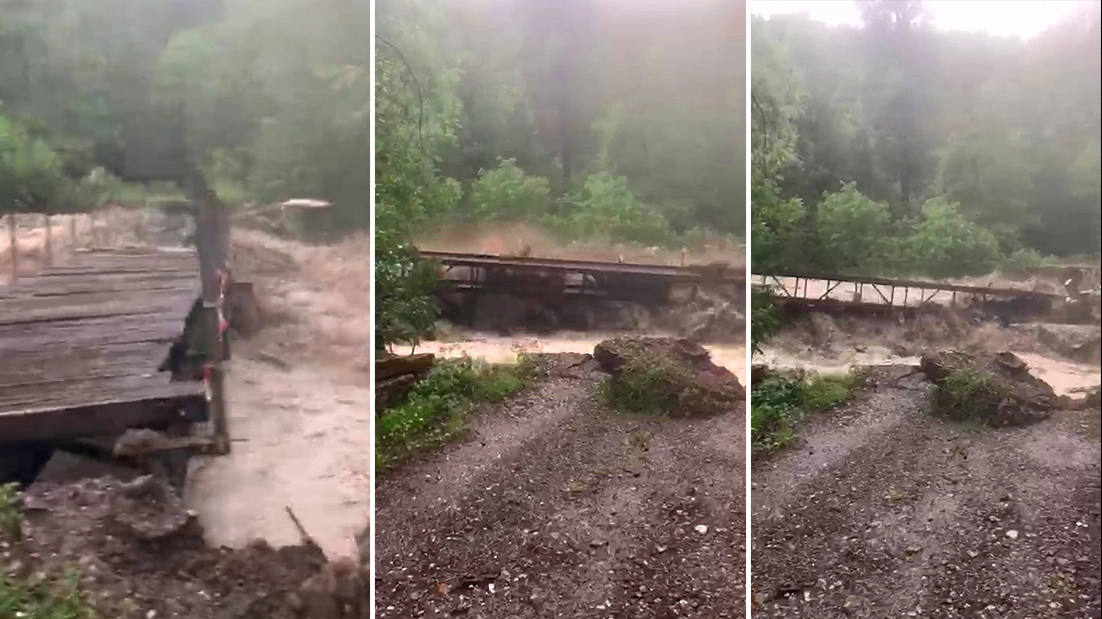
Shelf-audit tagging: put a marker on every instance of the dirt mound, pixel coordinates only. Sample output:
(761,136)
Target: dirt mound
(670,375)
(996,389)
(140,553)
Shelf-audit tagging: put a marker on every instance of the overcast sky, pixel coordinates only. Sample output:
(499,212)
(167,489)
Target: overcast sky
(1022,18)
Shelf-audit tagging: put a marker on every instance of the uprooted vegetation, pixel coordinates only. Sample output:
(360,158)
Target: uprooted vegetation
(995,390)
(666,376)
(783,400)
(436,409)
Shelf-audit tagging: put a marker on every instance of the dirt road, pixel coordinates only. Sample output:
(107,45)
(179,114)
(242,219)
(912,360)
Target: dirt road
(884,511)
(556,507)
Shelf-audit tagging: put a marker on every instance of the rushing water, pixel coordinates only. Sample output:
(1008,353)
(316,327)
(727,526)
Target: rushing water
(1066,378)
(504,349)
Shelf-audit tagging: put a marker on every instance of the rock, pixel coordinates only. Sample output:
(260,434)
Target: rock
(143,487)
(996,389)
(678,373)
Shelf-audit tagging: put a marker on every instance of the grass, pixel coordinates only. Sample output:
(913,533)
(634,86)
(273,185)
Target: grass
(40,597)
(47,598)
(957,394)
(437,408)
(780,403)
(654,384)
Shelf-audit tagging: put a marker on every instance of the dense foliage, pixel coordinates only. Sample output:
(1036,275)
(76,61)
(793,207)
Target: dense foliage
(258,101)
(590,119)
(898,148)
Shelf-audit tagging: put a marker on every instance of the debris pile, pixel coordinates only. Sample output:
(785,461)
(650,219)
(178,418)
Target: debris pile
(138,552)
(996,389)
(675,376)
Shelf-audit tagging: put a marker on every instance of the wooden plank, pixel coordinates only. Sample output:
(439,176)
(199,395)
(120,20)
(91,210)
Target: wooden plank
(105,417)
(80,345)
(90,332)
(42,310)
(52,364)
(74,393)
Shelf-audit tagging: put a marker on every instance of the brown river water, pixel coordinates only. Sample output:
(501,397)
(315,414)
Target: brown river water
(1066,377)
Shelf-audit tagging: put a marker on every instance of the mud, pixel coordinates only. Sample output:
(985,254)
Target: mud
(140,554)
(887,511)
(559,507)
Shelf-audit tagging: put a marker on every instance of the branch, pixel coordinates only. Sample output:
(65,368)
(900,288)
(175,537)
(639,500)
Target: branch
(420,92)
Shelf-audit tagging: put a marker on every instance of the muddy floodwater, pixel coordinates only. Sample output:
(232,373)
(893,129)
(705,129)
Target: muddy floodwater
(1066,377)
(504,349)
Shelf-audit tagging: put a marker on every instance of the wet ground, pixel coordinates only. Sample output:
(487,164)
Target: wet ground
(557,507)
(884,511)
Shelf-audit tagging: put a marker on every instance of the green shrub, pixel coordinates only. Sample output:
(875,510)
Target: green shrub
(780,403)
(764,317)
(853,232)
(608,209)
(946,244)
(404,310)
(507,193)
(436,409)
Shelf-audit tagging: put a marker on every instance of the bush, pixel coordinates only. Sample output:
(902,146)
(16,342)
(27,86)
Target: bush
(31,177)
(946,244)
(608,209)
(781,403)
(435,410)
(507,193)
(404,310)
(764,319)
(853,232)
(11,513)
(50,598)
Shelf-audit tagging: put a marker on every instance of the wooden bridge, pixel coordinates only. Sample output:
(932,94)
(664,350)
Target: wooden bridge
(111,341)
(83,346)
(552,278)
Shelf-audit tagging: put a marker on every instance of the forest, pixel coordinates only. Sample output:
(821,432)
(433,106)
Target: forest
(121,100)
(899,148)
(606,120)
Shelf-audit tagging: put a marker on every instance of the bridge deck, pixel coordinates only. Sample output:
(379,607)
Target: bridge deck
(591,267)
(80,345)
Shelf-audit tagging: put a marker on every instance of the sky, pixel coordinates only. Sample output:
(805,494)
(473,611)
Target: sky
(1021,18)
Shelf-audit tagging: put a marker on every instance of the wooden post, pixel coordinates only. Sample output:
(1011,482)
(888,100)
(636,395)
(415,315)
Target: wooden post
(13,236)
(208,241)
(72,231)
(49,241)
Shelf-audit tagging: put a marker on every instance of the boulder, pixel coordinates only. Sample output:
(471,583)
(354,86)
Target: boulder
(996,389)
(677,375)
